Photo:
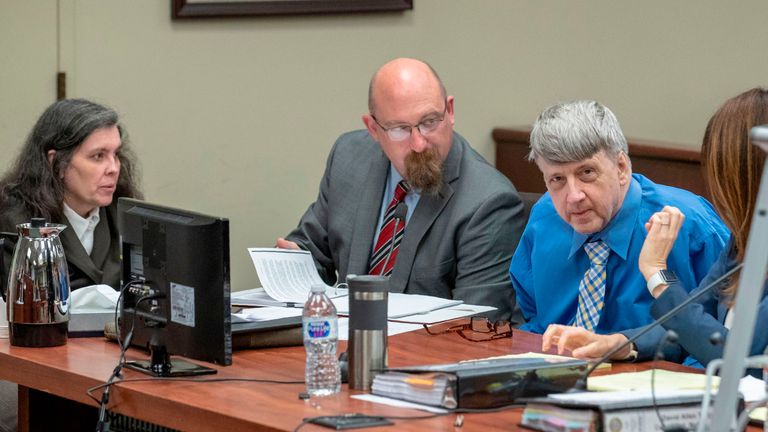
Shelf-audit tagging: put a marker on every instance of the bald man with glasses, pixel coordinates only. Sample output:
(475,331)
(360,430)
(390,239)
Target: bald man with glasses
(409,198)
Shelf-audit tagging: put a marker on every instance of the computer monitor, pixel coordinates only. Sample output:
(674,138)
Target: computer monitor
(180,302)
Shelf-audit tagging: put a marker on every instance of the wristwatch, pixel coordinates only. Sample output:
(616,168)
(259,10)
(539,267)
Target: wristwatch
(632,356)
(665,277)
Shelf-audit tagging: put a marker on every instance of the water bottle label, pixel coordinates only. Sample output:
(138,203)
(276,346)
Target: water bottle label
(320,328)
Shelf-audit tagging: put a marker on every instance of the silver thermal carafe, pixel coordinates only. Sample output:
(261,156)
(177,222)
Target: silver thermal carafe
(367,346)
(38,287)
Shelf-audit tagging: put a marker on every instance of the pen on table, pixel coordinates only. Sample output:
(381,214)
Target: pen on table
(293,305)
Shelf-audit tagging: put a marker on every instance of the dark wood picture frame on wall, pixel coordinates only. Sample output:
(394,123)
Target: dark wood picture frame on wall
(183,9)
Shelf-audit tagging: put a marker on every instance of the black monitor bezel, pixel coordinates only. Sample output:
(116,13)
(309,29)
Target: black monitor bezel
(207,263)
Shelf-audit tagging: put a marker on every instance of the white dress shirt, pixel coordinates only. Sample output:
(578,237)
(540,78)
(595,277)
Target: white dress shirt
(83,227)
(729,318)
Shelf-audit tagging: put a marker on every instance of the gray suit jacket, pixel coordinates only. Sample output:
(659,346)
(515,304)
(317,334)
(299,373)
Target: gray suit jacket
(457,244)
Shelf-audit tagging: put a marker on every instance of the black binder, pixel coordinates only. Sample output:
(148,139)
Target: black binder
(630,411)
(479,384)
(267,334)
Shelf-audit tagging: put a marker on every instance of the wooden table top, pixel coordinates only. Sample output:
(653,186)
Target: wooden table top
(68,370)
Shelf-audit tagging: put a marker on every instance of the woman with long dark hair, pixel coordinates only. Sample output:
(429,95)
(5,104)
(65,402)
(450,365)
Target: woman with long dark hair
(732,168)
(71,170)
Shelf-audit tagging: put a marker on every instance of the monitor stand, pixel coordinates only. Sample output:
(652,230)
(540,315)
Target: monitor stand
(160,363)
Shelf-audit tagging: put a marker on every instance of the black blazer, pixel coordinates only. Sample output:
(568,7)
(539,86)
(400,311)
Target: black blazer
(102,266)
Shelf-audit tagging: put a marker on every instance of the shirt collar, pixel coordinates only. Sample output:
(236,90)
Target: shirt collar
(618,233)
(80,224)
(393,179)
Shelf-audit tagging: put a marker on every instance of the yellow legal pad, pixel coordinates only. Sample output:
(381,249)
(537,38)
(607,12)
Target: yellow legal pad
(664,380)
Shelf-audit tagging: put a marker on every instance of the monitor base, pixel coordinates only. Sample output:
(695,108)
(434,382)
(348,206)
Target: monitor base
(175,368)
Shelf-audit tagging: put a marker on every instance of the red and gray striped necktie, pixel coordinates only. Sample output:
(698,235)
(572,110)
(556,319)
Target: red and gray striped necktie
(382,260)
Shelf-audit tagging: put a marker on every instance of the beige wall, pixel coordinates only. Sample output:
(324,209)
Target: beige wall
(27,68)
(235,117)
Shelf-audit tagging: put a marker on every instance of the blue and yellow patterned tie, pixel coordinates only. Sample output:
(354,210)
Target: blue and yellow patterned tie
(592,287)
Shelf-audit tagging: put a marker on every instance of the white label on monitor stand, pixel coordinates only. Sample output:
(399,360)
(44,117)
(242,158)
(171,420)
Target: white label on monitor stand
(137,262)
(182,304)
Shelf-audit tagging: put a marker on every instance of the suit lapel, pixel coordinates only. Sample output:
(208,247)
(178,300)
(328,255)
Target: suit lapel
(75,253)
(427,210)
(101,241)
(367,215)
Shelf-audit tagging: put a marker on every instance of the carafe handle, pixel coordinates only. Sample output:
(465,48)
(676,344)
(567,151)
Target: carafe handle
(7,243)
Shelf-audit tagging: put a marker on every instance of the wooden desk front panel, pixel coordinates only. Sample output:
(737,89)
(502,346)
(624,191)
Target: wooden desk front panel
(67,371)
(663,163)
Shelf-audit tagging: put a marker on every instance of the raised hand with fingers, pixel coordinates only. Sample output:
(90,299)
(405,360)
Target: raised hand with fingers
(663,228)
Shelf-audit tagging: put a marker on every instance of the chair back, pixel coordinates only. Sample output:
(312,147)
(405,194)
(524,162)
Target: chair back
(529,199)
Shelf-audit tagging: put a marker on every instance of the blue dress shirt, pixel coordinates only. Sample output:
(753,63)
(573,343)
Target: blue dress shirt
(550,261)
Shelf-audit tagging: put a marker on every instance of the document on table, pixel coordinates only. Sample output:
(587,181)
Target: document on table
(402,305)
(552,357)
(628,399)
(397,403)
(265,314)
(259,297)
(641,381)
(445,314)
(393,328)
(287,275)
(752,388)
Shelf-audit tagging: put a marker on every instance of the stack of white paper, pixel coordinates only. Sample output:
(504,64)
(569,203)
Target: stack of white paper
(403,305)
(286,278)
(265,314)
(428,389)
(288,275)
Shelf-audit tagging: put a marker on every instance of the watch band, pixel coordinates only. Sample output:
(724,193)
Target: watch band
(661,277)
(632,356)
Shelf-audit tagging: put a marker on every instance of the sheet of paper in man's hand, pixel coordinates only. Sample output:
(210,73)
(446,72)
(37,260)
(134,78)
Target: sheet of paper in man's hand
(287,275)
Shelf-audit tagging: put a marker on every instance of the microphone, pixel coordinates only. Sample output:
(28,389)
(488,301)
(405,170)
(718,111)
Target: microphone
(716,338)
(581,383)
(401,211)
(669,337)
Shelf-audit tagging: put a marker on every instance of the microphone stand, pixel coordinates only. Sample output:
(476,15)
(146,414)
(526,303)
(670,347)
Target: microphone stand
(581,383)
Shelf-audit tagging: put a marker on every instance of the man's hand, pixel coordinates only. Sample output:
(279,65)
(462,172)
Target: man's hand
(285,244)
(583,343)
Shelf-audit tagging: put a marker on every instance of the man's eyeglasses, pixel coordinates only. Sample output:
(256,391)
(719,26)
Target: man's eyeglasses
(479,329)
(403,132)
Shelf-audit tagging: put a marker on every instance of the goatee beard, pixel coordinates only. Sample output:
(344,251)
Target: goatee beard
(424,171)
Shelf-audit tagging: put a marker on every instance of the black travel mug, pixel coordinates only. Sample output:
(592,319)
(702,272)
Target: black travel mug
(367,346)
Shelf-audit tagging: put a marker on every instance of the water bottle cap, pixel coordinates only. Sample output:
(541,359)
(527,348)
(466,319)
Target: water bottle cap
(318,288)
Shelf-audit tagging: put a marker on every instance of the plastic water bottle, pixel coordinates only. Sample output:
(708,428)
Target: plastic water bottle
(321,331)
(3,320)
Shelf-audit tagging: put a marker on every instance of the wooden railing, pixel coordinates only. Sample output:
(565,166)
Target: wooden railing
(663,163)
